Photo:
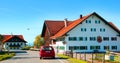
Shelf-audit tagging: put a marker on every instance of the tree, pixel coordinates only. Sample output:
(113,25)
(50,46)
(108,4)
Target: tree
(38,41)
(1,43)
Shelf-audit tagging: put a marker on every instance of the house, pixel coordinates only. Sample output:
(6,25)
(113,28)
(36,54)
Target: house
(13,42)
(88,33)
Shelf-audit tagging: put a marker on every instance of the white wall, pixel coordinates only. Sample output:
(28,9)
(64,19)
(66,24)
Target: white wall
(58,44)
(7,46)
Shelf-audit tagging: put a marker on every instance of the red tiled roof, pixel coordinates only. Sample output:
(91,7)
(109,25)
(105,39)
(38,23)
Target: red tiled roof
(57,29)
(78,21)
(113,26)
(68,28)
(7,37)
(55,26)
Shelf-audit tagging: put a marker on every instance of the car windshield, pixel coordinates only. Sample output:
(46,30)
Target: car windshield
(47,48)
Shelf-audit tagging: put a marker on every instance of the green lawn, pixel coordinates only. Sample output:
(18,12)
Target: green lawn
(71,60)
(5,55)
(116,59)
(100,56)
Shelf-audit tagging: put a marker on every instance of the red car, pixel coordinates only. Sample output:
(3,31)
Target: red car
(47,52)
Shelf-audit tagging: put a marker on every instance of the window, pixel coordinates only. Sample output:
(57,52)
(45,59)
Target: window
(83,29)
(21,43)
(92,38)
(83,47)
(82,38)
(114,38)
(97,47)
(88,21)
(61,47)
(91,47)
(94,47)
(72,38)
(114,47)
(97,21)
(106,38)
(71,47)
(93,29)
(6,43)
(102,29)
(106,47)
(76,47)
(85,39)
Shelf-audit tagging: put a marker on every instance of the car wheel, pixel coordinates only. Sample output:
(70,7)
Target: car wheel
(40,57)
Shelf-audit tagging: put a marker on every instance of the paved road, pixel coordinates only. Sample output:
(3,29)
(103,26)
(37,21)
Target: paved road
(32,57)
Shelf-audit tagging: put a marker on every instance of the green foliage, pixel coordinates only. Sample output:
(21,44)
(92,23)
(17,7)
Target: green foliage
(1,37)
(61,56)
(1,43)
(116,58)
(26,48)
(38,41)
(100,56)
(5,55)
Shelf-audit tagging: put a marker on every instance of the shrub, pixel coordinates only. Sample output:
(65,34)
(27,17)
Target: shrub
(5,55)
(26,48)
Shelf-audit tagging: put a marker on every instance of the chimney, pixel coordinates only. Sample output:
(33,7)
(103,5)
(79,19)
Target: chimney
(80,16)
(65,22)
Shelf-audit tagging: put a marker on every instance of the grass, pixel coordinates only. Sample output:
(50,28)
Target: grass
(5,55)
(116,60)
(61,56)
(71,60)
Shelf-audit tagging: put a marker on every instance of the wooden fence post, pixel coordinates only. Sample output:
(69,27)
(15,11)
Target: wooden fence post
(92,57)
(76,55)
(80,56)
(71,53)
(85,56)
(103,60)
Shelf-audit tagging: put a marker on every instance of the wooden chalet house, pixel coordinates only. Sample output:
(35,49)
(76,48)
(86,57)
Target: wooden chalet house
(13,42)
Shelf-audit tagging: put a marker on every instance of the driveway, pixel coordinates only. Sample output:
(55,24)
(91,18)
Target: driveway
(32,57)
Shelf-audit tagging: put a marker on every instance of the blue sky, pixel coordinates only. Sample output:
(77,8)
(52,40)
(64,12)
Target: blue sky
(16,16)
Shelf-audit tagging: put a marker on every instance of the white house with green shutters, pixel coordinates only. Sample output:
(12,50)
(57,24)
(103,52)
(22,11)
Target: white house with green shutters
(90,33)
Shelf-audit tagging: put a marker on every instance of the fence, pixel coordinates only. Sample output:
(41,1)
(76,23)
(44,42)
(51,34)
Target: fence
(89,57)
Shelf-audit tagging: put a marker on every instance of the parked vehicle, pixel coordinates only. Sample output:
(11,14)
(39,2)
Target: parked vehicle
(47,52)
